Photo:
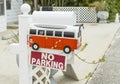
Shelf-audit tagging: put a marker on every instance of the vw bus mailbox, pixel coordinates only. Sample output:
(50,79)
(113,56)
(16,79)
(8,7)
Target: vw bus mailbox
(58,37)
(61,38)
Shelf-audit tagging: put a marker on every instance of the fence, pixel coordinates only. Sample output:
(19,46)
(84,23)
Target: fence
(83,14)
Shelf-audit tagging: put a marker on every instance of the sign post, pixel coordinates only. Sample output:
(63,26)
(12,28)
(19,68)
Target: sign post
(24,21)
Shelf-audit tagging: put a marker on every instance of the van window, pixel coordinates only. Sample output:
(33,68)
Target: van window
(58,33)
(49,33)
(69,34)
(32,31)
(41,32)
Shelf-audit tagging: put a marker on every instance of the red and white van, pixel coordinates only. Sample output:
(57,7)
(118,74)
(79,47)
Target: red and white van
(59,37)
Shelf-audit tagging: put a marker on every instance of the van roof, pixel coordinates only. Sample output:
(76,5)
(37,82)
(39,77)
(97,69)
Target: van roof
(50,26)
(54,26)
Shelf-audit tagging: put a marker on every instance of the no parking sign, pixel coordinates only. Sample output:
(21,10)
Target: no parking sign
(44,59)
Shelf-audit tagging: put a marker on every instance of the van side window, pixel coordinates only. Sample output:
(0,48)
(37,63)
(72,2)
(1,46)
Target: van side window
(49,33)
(58,33)
(32,31)
(41,32)
(69,34)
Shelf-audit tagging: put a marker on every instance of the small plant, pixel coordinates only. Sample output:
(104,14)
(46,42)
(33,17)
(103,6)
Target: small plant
(14,38)
(102,59)
(89,75)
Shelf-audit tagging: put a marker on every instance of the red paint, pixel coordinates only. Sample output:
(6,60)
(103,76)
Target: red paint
(53,43)
(53,61)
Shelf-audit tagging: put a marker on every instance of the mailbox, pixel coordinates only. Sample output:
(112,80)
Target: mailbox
(54,37)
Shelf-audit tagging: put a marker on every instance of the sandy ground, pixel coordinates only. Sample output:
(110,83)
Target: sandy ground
(97,36)
(8,67)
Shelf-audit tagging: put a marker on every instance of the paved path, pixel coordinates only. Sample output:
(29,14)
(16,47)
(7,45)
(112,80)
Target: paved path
(109,71)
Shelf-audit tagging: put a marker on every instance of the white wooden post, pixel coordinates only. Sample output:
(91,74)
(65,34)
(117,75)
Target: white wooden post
(24,21)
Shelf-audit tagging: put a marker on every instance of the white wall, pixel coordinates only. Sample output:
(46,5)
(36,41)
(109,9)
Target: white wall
(3,23)
(12,14)
(3,26)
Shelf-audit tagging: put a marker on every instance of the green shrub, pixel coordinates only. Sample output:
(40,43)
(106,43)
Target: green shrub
(113,7)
